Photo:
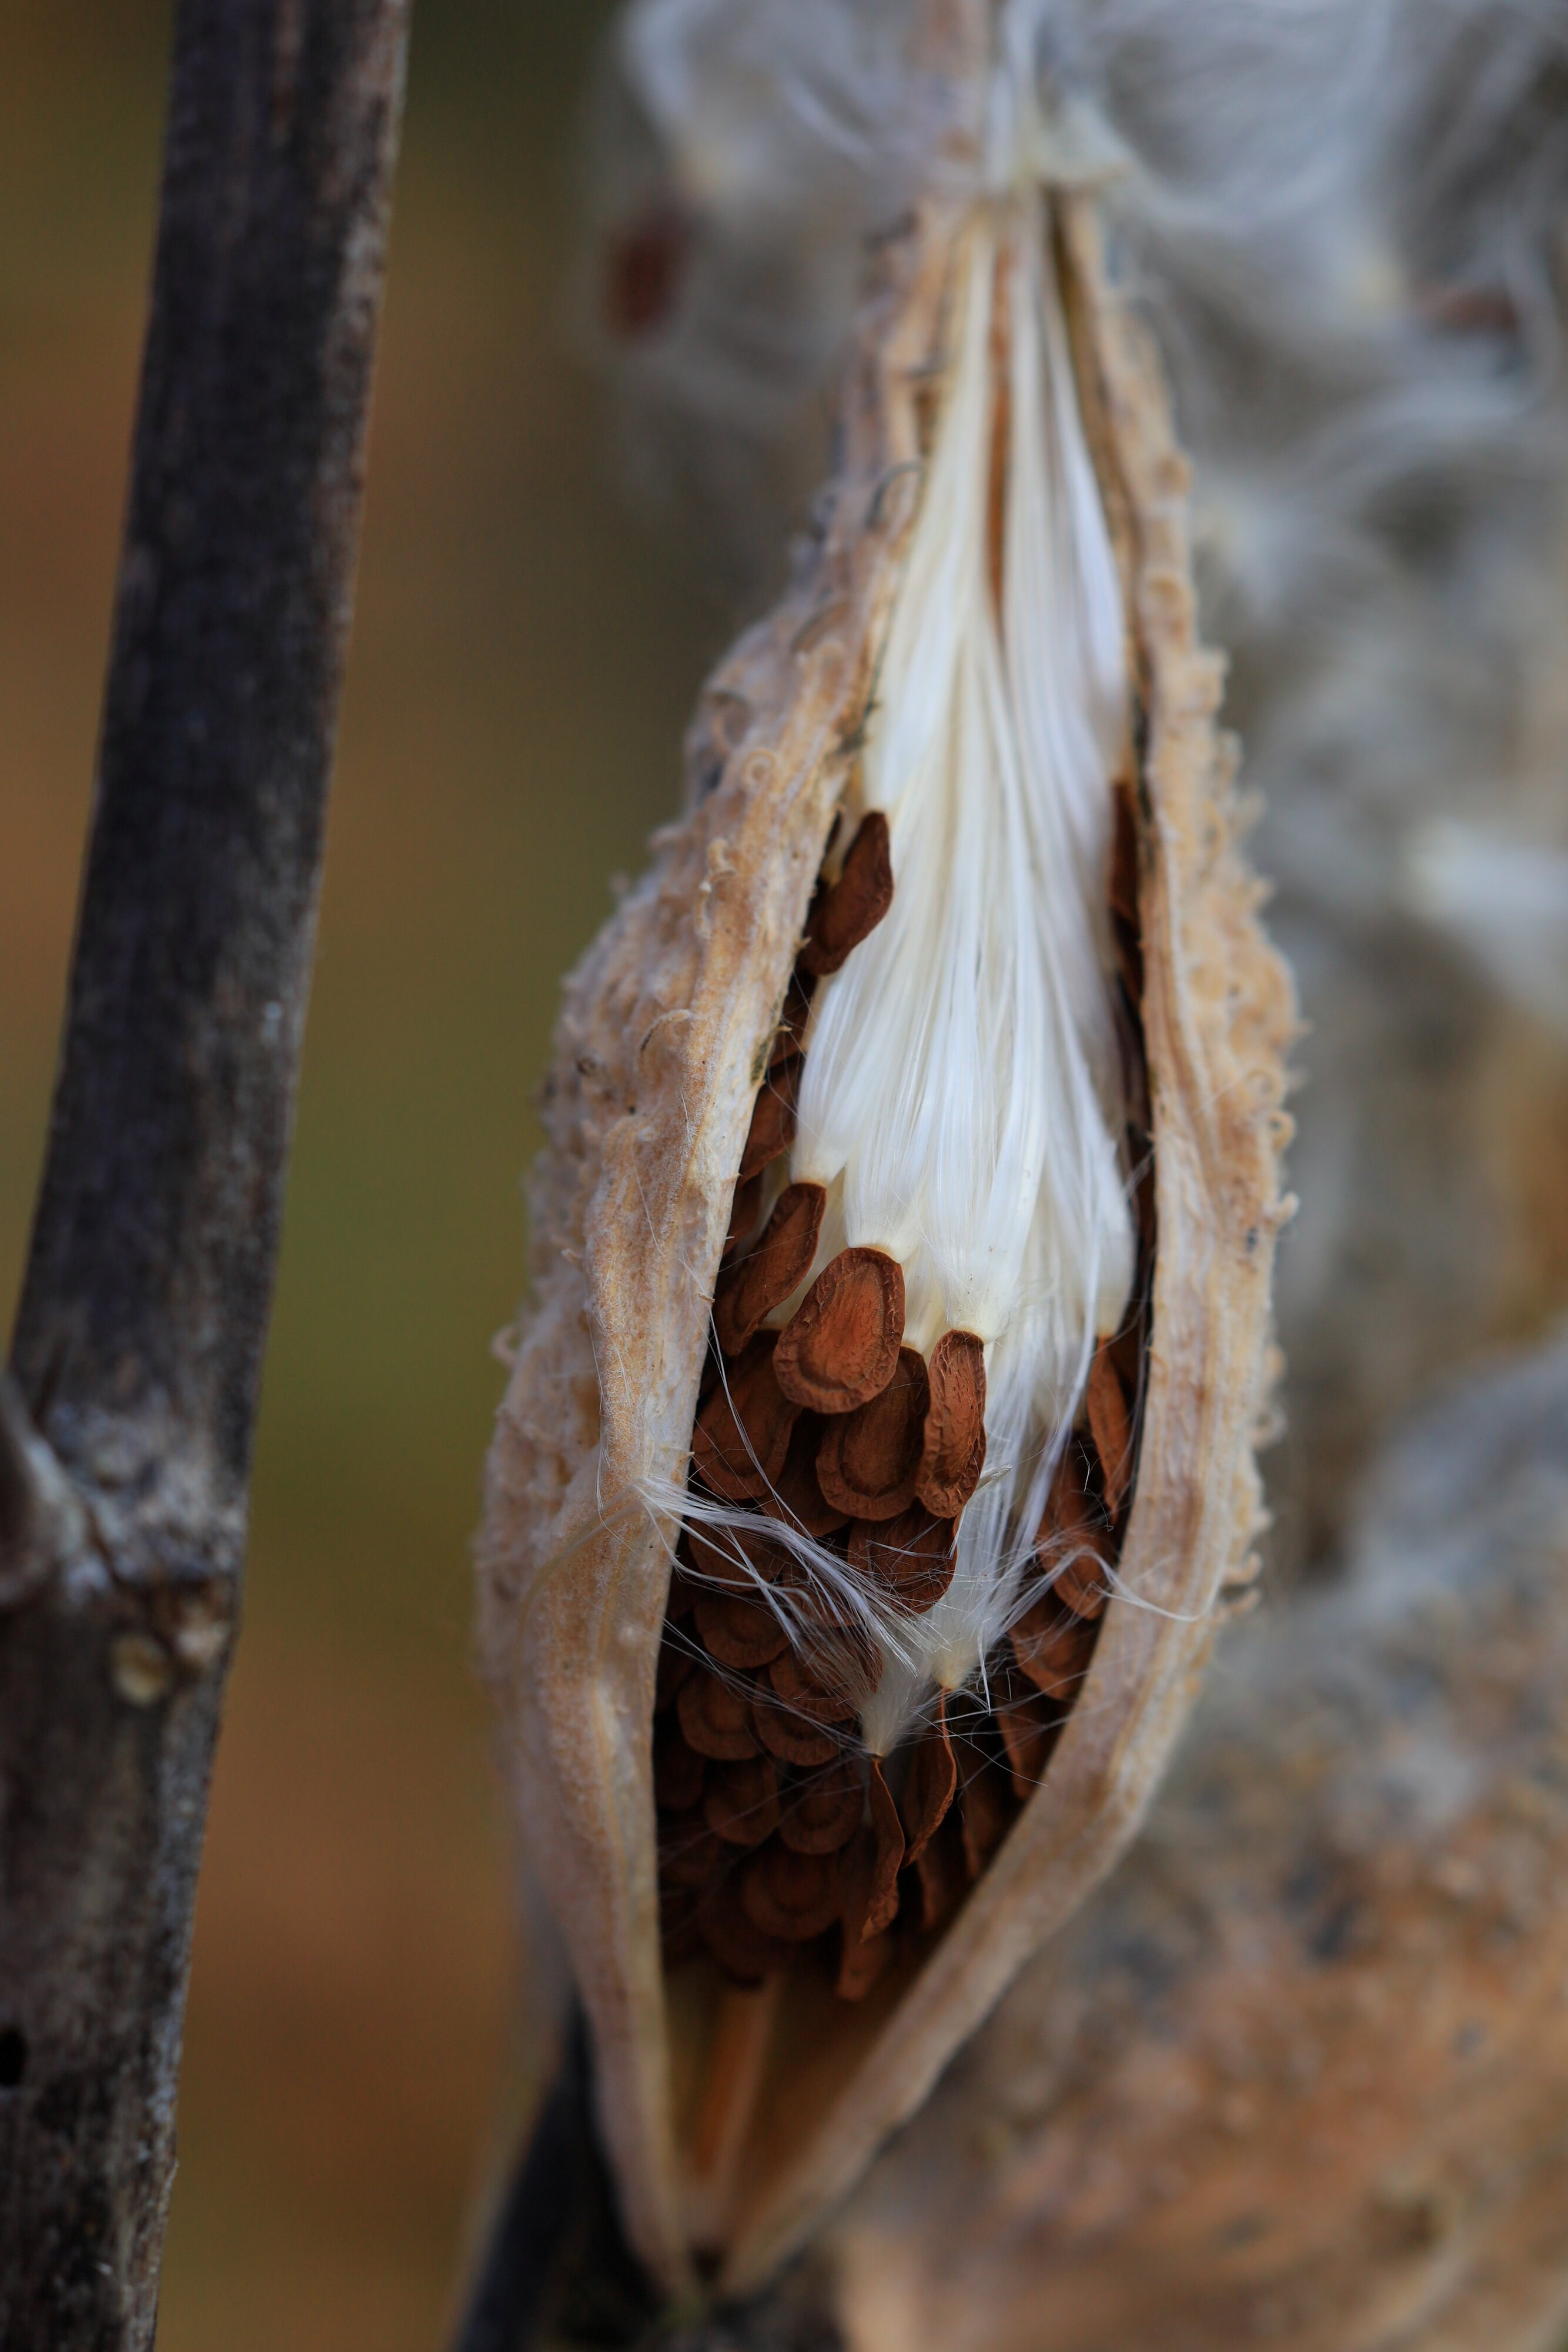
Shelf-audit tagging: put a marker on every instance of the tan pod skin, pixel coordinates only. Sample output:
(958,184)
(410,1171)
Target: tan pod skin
(661,1048)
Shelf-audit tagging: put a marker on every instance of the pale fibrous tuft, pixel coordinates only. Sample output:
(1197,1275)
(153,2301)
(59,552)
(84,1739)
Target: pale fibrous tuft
(961,1094)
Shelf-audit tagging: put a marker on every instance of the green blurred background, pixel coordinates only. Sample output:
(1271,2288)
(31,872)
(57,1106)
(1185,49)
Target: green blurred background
(524,657)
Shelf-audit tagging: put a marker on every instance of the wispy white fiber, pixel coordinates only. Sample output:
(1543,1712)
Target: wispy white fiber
(960,1085)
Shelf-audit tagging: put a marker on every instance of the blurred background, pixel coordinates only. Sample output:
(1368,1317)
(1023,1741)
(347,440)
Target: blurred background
(523,664)
(1383,557)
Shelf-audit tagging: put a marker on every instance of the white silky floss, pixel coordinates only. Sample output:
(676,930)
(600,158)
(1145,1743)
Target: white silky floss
(960,1096)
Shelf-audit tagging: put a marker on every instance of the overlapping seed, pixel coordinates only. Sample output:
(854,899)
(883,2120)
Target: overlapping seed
(740,1803)
(715,1718)
(824,1810)
(1110,1429)
(953,1447)
(773,1121)
(777,1830)
(742,1433)
(1028,1730)
(848,910)
(738,1630)
(745,1210)
(1069,1544)
(840,1349)
(911,1557)
(869,1459)
(1052,1648)
(795,1738)
(791,1894)
(775,1265)
(930,1785)
(797,1497)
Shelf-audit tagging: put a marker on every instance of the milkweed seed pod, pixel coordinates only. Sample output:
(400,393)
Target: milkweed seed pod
(878,1444)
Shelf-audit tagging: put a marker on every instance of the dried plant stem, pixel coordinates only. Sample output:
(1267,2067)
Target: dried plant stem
(124,1444)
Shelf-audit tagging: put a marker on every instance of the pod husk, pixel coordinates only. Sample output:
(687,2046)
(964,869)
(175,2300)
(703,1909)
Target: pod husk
(663,1040)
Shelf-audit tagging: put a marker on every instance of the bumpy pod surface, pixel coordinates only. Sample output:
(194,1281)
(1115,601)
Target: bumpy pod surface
(799,1842)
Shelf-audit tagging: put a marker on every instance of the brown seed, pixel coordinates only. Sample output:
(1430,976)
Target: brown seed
(1110,1428)
(840,1346)
(912,1556)
(1053,1648)
(680,1937)
(1029,1727)
(1072,1497)
(1064,1544)
(790,1036)
(740,1803)
(745,1210)
(741,1950)
(739,1631)
(881,1902)
(800,1690)
(772,1129)
(765,1276)
(742,1435)
(943,1875)
(1079,1583)
(930,1784)
(789,1895)
(678,1770)
(740,1557)
(797,1498)
(850,909)
(690,1854)
(988,1807)
(866,1954)
(675,1663)
(789,1735)
(953,1452)
(868,1458)
(1127,1352)
(716,1717)
(820,1815)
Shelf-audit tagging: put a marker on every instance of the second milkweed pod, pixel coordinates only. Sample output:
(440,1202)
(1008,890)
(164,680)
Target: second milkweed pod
(993,631)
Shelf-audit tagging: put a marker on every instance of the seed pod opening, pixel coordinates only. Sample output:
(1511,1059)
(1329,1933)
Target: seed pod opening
(962,1424)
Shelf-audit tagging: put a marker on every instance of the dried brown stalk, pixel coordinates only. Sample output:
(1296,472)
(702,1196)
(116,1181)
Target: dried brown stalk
(126,1420)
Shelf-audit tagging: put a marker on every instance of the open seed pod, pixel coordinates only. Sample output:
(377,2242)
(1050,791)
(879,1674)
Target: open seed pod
(879,1446)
